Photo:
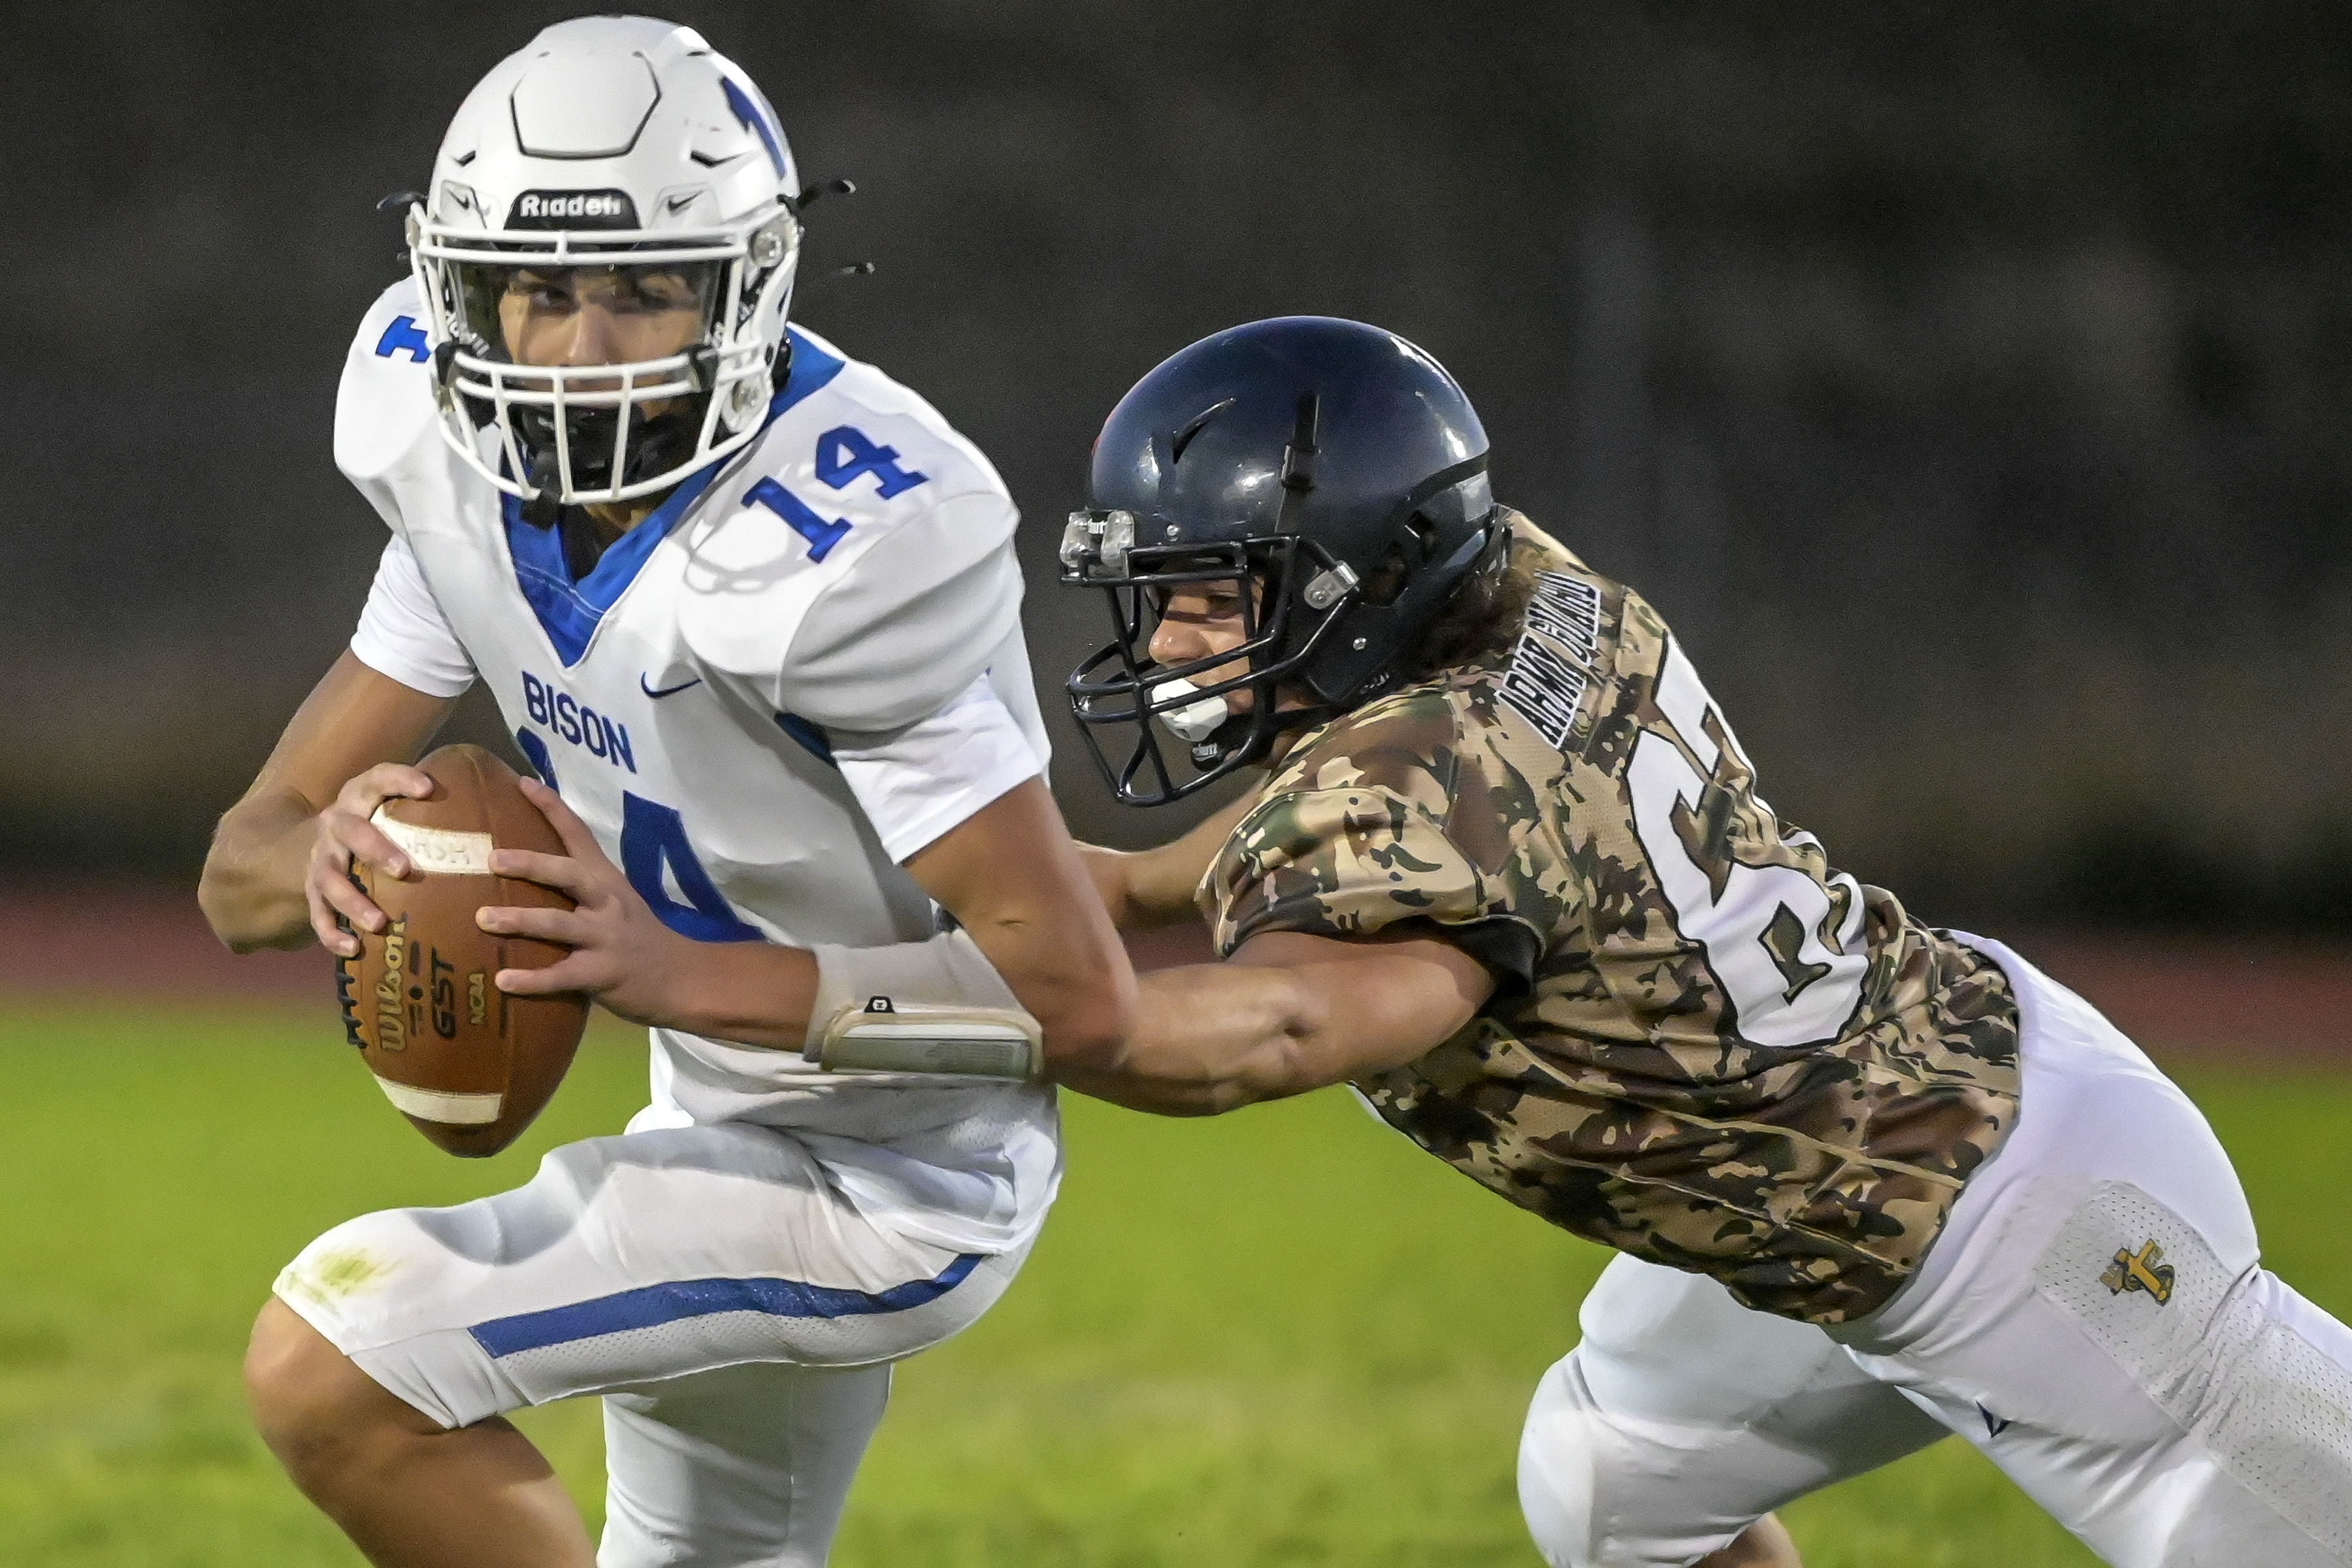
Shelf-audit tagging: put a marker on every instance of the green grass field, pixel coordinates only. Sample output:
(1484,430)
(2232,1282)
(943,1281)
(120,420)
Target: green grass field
(1284,1337)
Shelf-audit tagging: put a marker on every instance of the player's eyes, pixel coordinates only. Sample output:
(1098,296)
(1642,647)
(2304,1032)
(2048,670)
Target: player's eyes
(621,295)
(1192,605)
(546,293)
(658,293)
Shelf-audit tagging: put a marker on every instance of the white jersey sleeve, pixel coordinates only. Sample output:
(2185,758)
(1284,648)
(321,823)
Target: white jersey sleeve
(402,633)
(917,781)
(385,417)
(916,623)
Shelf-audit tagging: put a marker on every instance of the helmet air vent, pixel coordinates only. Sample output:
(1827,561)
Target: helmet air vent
(1193,426)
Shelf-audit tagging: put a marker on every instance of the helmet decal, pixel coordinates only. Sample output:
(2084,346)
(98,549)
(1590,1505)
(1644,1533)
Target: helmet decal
(572,209)
(748,113)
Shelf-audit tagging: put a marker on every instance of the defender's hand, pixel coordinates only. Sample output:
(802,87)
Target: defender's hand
(621,954)
(345,835)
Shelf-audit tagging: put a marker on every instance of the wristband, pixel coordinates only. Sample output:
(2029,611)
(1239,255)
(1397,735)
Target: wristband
(935,1007)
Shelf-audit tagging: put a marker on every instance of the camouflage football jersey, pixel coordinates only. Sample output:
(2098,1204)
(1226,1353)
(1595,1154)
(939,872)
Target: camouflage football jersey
(1708,1048)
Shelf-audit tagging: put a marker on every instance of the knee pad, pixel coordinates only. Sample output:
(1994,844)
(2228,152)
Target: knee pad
(1605,1489)
(743,1464)
(1558,1466)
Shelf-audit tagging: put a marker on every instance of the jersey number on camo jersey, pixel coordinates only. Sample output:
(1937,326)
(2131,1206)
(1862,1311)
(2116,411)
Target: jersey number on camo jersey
(1762,927)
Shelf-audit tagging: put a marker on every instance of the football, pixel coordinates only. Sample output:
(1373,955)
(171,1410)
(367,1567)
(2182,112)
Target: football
(468,1064)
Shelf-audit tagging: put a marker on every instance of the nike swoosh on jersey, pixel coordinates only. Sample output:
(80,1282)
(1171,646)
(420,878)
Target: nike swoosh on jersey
(645,685)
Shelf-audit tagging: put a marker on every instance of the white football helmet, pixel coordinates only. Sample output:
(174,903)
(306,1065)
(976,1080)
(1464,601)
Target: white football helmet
(614,142)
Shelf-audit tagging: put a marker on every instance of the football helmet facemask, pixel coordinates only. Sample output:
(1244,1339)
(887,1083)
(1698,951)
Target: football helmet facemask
(619,155)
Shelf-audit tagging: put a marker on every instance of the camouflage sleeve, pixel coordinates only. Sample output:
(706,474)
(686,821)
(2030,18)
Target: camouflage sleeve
(1355,836)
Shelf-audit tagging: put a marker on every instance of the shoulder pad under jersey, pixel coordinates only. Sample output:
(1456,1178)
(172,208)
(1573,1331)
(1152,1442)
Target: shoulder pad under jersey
(856,566)
(384,407)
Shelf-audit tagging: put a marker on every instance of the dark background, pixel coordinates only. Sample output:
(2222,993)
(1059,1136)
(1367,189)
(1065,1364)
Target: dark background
(1969,383)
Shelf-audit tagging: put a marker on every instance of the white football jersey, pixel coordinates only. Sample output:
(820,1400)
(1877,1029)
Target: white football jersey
(806,665)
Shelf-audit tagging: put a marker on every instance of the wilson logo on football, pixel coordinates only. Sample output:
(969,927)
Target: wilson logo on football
(391,1024)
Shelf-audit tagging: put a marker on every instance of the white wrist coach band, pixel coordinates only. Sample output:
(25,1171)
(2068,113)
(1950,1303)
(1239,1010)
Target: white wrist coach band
(935,1007)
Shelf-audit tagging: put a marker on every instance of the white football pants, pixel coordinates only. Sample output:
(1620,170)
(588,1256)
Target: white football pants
(735,1310)
(2094,1318)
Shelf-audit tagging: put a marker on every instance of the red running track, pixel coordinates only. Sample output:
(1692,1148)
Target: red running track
(2181,997)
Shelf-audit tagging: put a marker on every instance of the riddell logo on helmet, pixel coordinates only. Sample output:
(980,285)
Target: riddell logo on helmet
(574,209)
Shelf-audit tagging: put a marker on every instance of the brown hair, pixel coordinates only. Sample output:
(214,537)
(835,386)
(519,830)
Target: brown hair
(1479,622)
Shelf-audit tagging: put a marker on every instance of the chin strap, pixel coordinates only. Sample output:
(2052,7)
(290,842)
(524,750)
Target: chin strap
(543,510)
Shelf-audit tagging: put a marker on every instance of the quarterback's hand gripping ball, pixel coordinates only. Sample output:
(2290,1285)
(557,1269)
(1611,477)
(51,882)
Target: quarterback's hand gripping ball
(469,1065)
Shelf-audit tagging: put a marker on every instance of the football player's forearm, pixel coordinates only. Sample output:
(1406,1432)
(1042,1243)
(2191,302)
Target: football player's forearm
(1213,1038)
(1068,973)
(251,891)
(1148,889)
(1108,870)
(1289,1012)
(750,993)
(766,996)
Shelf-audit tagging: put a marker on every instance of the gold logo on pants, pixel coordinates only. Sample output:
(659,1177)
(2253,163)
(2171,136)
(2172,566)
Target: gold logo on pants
(2143,1270)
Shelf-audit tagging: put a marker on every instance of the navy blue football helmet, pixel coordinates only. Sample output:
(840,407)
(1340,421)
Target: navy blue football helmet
(1334,475)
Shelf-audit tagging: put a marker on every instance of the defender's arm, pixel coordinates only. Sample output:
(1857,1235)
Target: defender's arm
(1149,888)
(343,754)
(1287,1012)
